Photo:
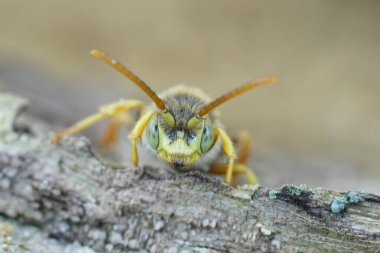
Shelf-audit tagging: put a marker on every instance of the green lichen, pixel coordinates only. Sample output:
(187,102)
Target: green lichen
(297,190)
(273,194)
(340,203)
(353,197)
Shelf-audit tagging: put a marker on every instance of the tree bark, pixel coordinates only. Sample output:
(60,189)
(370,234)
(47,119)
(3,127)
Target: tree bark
(70,195)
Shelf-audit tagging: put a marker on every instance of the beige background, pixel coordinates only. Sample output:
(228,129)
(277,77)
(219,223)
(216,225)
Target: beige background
(319,126)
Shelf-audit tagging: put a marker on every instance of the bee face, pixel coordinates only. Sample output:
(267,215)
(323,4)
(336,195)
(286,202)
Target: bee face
(180,144)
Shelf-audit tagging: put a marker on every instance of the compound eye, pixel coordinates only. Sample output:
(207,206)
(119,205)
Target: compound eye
(207,136)
(152,133)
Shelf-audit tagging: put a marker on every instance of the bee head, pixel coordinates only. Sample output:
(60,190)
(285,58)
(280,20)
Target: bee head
(177,143)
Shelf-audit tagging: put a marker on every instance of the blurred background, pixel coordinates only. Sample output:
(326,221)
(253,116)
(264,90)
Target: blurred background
(319,126)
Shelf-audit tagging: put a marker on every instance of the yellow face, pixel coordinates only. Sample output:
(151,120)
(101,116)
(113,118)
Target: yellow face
(180,146)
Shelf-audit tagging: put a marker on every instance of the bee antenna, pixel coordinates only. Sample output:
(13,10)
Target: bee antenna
(140,83)
(240,90)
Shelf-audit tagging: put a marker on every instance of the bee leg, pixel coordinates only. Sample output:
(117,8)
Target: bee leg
(110,135)
(112,131)
(136,133)
(222,169)
(229,150)
(240,166)
(110,110)
(244,141)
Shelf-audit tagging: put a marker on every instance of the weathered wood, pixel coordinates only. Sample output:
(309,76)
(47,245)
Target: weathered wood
(72,196)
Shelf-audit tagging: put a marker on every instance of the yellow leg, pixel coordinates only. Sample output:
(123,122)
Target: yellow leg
(136,133)
(111,110)
(239,167)
(244,141)
(228,148)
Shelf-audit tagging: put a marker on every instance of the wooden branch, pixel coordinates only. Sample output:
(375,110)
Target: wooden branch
(72,196)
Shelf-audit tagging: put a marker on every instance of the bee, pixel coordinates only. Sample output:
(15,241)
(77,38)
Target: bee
(181,126)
